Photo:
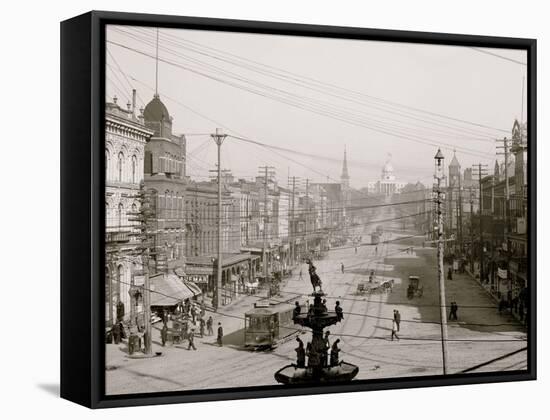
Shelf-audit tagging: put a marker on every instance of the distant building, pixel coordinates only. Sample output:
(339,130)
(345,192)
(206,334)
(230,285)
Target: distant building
(388,184)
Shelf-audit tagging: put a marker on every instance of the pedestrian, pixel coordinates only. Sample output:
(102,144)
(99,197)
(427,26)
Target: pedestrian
(397,318)
(339,311)
(356,250)
(209,325)
(450,274)
(193,313)
(376,250)
(301,274)
(453,314)
(334,353)
(342,267)
(220,335)
(296,311)
(115,331)
(326,348)
(202,324)
(300,354)
(394,330)
(191,338)
(164,334)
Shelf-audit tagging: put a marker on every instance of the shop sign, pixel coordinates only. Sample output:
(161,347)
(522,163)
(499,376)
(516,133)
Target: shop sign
(503,274)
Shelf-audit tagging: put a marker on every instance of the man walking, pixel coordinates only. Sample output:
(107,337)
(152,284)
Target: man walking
(202,324)
(191,338)
(339,311)
(342,267)
(397,318)
(450,274)
(453,314)
(300,354)
(209,325)
(220,335)
(394,330)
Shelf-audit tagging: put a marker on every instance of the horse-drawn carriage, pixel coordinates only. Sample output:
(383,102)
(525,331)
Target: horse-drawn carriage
(369,288)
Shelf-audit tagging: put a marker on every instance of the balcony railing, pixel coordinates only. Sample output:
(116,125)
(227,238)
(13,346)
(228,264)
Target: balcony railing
(118,236)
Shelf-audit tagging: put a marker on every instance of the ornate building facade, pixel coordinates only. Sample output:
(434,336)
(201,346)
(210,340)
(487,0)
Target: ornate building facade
(125,139)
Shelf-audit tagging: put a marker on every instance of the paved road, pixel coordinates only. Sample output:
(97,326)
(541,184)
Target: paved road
(479,335)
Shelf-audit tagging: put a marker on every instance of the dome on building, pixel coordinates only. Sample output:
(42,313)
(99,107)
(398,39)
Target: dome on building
(388,167)
(156,110)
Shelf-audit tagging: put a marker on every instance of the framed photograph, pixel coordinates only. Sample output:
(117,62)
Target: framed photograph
(257,209)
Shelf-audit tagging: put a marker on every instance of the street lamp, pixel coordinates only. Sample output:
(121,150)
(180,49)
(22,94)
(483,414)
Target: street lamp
(440,175)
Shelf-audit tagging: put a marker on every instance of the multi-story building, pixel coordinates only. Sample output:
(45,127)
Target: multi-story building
(125,140)
(165,180)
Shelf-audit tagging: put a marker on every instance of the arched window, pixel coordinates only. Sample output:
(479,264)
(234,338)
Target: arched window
(107,163)
(120,166)
(134,169)
(119,215)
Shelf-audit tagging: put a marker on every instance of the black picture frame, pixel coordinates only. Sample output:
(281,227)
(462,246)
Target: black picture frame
(82,206)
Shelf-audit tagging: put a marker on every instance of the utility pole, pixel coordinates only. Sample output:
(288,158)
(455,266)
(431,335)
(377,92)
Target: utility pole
(219,137)
(471,230)
(266,172)
(143,216)
(439,175)
(292,223)
(481,171)
(307,215)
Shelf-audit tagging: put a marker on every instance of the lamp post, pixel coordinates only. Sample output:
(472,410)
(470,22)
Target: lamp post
(440,175)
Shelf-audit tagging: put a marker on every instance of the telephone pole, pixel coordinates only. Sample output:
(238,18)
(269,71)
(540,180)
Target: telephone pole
(219,137)
(267,171)
(439,175)
(144,235)
(481,171)
(307,215)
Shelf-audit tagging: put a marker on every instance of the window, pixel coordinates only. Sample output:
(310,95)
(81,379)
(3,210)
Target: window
(134,169)
(119,215)
(120,166)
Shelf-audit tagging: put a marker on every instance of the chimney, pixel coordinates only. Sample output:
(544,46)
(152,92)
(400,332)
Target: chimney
(133,101)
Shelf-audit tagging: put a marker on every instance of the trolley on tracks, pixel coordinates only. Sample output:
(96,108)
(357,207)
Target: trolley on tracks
(269,323)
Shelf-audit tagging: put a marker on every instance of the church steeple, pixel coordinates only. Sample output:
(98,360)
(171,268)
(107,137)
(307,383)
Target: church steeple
(345,175)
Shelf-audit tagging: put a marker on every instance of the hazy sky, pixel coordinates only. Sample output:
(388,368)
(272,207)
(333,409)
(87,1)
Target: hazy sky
(371,96)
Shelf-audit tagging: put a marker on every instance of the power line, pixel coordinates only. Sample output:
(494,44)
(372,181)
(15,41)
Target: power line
(294,78)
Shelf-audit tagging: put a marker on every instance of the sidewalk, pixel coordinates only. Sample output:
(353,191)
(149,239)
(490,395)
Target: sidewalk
(493,295)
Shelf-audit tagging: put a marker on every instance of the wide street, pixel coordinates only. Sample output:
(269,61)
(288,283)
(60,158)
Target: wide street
(479,335)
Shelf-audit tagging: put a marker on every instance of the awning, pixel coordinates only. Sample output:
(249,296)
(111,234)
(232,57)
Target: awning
(194,288)
(168,290)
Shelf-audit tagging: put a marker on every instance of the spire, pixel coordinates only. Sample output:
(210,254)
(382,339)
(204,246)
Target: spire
(497,171)
(345,174)
(454,162)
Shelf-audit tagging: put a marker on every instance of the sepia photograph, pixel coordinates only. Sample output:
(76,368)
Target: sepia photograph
(287,210)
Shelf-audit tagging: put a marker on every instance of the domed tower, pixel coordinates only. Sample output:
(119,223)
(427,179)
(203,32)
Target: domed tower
(157,118)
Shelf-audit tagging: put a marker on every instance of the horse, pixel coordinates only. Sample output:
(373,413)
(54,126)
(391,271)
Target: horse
(314,277)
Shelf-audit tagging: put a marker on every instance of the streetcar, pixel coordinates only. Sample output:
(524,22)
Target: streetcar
(268,323)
